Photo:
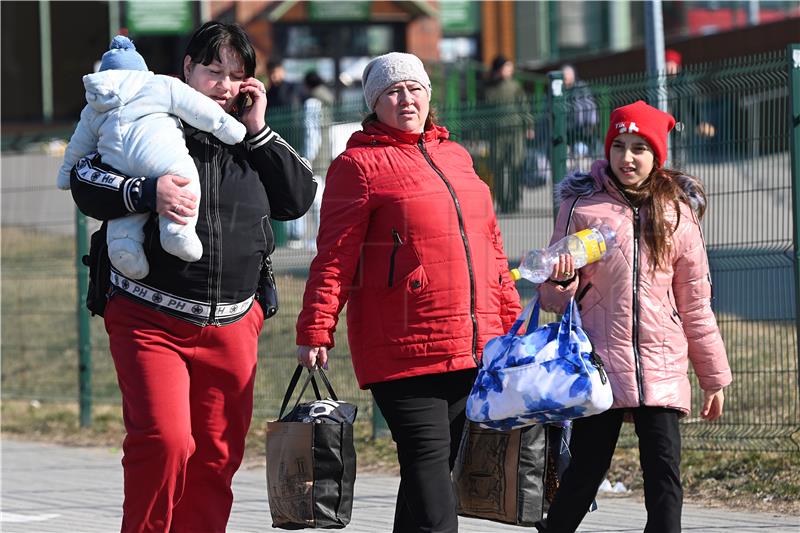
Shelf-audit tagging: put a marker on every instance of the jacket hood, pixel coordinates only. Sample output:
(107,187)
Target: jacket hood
(112,88)
(379,133)
(582,183)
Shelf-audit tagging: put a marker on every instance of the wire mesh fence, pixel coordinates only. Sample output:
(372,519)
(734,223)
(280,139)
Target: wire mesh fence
(733,133)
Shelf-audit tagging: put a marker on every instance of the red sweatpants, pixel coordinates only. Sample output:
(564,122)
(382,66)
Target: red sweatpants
(187,400)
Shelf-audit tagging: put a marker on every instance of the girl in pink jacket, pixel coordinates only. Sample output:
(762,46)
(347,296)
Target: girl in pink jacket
(647,310)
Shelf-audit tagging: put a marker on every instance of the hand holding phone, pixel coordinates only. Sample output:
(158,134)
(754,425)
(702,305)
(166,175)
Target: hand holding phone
(242,102)
(251,105)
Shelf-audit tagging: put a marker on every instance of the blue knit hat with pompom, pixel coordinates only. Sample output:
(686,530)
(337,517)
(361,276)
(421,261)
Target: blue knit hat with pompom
(122,55)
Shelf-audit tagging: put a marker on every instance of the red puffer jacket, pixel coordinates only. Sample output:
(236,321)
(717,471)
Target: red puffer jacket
(409,238)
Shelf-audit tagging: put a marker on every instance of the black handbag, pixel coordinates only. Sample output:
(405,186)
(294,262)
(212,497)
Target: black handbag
(502,475)
(311,459)
(267,292)
(510,476)
(99,272)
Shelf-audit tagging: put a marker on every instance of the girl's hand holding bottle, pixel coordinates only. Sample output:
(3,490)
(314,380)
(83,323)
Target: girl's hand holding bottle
(559,261)
(563,269)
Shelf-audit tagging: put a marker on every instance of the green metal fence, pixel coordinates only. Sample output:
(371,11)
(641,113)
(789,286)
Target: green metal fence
(734,134)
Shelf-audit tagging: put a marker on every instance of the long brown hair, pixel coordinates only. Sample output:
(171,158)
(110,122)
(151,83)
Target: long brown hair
(661,190)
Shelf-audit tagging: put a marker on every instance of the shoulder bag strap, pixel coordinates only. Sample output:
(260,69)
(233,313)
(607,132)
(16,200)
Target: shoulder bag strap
(570,319)
(530,313)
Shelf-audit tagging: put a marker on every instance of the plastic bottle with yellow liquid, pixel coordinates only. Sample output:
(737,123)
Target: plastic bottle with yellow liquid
(585,247)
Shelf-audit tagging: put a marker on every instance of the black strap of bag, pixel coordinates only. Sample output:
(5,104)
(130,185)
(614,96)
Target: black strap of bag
(310,379)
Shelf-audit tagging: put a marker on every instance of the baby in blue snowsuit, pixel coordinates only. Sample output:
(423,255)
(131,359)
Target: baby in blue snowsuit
(132,120)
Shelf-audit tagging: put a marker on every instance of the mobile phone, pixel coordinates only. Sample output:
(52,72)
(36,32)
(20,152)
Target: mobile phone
(241,103)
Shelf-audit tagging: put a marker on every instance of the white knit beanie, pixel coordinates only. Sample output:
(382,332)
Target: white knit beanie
(388,69)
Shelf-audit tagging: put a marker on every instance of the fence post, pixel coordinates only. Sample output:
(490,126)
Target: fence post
(84,335)
(794,126)
(471,83)
(453,88)
(558,130)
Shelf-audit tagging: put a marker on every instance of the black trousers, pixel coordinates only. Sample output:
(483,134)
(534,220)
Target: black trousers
(426,417)
(594,439)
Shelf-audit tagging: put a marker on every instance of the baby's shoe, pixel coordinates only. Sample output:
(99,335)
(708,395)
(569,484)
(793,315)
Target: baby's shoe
(128,257)
(185,246)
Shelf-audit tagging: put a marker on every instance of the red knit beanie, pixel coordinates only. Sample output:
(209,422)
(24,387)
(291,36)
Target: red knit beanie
(645,121)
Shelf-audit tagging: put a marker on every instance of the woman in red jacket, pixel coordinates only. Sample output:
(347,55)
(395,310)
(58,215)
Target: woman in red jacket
(409,239)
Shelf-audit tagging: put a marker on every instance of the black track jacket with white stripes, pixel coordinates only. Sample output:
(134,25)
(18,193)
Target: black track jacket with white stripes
(242,187)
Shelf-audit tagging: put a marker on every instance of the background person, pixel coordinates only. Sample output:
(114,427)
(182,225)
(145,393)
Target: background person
(581,125)
(281,94)
(509,135)
(316,148)
(673,61)
(184,338)
(647,310)
(409,240)
(700,114)
(317,111)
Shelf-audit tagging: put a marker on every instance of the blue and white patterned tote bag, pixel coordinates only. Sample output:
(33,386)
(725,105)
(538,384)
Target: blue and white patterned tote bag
(549,374)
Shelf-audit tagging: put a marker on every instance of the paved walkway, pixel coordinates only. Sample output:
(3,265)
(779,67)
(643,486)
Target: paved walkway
(55,489)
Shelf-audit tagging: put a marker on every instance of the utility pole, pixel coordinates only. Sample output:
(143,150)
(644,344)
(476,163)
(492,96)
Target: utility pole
(114,21)
(752,12)
(46,58)
(654,50)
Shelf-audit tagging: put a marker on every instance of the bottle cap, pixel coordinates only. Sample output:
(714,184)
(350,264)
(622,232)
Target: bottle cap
(515,275)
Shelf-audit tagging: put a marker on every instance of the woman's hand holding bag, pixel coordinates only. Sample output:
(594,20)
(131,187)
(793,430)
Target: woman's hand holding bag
(311,459)
(549,374)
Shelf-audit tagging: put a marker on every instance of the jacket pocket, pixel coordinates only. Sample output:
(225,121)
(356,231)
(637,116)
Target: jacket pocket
(397,242)
(587,298)
(408,309)
(673,311)
(405,267)
(595,320)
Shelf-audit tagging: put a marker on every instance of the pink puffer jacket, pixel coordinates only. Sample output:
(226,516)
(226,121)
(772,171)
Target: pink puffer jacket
(646,326)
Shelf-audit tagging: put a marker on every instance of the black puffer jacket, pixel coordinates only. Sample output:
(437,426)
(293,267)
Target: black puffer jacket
(242,187)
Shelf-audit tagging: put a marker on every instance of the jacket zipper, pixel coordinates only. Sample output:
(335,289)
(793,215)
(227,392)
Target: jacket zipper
(212,216)
(601,369)
(396,246)
(637,356)
(461,229)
